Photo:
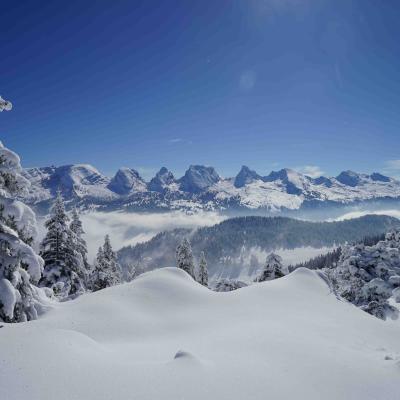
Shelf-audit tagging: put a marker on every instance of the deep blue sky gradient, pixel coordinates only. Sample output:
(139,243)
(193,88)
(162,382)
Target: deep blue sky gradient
(266,83)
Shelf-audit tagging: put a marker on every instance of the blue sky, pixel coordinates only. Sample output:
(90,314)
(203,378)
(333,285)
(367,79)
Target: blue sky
(266,83)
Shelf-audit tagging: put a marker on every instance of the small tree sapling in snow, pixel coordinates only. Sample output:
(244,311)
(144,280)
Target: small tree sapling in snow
(254,264)
(5,105)
(272,269)
(184,257)
(131,272)
(106,270)
(202,276)
(228,285)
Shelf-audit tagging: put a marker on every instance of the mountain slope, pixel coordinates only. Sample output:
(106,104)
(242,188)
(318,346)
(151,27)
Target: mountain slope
(246,176)
(74,181)
(125,181)
(165,337)
(198,178)
(163,180)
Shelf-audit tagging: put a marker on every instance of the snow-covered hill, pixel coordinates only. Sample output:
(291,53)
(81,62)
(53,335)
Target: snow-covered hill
(163,336)
(202,188)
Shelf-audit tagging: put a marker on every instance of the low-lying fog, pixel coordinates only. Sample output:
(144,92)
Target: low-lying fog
(358,214)
(252,260)
(131,228)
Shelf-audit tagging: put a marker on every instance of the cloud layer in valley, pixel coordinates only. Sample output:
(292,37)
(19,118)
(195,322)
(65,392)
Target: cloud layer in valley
(131,228)
(357,214)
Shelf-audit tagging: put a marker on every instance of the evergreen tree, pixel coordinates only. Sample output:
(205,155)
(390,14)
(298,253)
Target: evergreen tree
(64,269)
(392,238)
(254,264)
(106,271)
(368,276)
(80,243)
(5,105)
(97,271)
(131,271)
(202,277)
(228,285)
(20,266)
(272,269)
(184,257)
(328,260)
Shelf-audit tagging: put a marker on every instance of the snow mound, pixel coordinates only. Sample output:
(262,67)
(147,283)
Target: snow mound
(282,339)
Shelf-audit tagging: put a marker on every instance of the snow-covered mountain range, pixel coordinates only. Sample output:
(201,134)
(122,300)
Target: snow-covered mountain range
(202,187)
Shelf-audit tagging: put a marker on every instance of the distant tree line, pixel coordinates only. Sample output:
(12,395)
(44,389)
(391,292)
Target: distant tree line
(331,258)
(224,243)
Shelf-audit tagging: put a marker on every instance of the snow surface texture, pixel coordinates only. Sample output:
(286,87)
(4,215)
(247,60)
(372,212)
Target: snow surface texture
(164,336)
(202,188)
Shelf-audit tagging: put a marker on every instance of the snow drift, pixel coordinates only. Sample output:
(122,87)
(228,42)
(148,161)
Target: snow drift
(164,336)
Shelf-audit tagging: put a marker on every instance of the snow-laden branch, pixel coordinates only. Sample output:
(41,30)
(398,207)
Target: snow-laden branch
(5,105)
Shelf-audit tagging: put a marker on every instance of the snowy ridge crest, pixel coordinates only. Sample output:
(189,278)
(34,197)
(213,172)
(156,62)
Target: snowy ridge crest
(202,187)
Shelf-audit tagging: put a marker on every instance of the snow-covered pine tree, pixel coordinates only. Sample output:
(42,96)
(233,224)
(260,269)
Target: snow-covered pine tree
(202,276)
(272,269)
(80,244)
(20,266)
(64,270)
(131,272)
(393,238)
(184,257)
(368,276)
(227,285)
(5,105)
(111,259)
(96,274)
(106,270)
(254,265)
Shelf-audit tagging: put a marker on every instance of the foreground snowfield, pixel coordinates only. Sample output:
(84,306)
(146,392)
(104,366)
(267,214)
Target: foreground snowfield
(289,338)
